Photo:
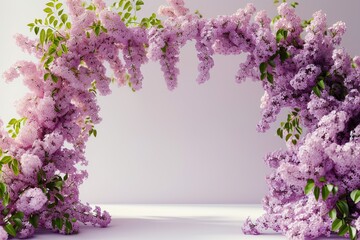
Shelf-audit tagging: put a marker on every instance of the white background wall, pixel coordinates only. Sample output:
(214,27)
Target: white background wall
(197,144)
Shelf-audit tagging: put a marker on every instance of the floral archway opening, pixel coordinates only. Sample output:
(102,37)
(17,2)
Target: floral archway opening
(312,185)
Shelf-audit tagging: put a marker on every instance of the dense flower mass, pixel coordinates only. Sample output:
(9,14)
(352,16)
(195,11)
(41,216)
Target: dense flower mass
(299,65)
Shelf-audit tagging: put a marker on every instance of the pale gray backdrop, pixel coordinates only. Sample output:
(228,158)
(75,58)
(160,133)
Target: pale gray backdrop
(197,144)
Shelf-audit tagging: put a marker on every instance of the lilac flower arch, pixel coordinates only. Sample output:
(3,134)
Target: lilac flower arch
(299,65)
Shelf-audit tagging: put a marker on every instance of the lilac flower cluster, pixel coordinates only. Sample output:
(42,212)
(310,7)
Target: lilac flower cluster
(301,67)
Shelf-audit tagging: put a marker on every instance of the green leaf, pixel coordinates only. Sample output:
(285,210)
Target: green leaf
(58,6)
(50,4)
(355,196)
(127,5)
(353,233)
(68,226)
(64,18)
(309,186)
(272,63)
(325,193)
(343,230)
(34,220)
(59,223)
(52,50)
(18,222)
(263,76)
(64,48)
(317,193)
(2,187)
(294,4)
(127,15)
(263,67)
(60,197)
(322,179)
(15,167)
(332,214)
(37,29)
(330,187)
(279,35)
(48,10)
(6,160)
(317,91)
(51,205)
(280,132)
(121,2)
(10,230)
(46,76)
(139,2)
(270,78)
(97,30)
(6,199)
(285,33)
(288,137)
(321,84)
(343,207)
(68,25)
(49,60)
(336,224)
(19,215)
(299,130)
(335,190)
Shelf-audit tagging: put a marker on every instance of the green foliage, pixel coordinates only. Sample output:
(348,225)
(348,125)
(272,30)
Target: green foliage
(52,188)
(266,68)
(51,40)
(34,220)
(92,131)
(341,214)
(93,88)
(278,1)
(14,223)
(152,21)
(98,28)
(197,12)
(264,73)
(291,129)
(306,23)
(127,10)
(4,195)
(325,189)
(281,34)
(334,84)
(320,84)
(15,125)
(355,196)
(294,4)
(63,221)
(12,163)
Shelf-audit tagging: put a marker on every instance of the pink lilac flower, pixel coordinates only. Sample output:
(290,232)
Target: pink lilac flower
(31,200)
(3,234)
(30,164)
